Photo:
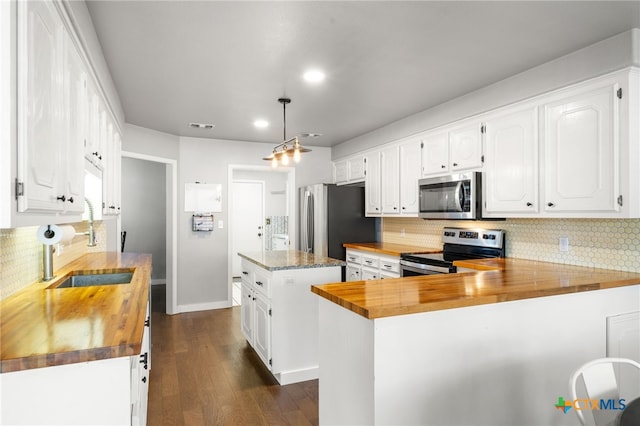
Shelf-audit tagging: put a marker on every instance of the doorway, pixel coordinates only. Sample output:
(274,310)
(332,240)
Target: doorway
(168,175)
(269,213)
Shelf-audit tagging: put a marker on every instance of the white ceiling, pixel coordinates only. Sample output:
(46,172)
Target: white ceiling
(227,62)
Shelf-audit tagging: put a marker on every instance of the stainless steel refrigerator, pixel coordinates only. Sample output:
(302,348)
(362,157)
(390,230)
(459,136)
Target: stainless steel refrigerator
(331,215)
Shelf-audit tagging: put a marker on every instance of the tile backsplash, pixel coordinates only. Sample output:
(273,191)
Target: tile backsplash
(600,243)
(21,254)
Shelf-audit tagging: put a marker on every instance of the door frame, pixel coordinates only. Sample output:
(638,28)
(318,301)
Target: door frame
(171,174)
(291,211)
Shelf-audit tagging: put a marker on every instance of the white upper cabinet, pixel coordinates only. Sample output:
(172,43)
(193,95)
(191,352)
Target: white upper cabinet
(372,187)
(435,153)
(40,142)
(510,186)
(465,147)
(352,170)
(410,170)
(340,175)
(75,132)
(581,148)
(390,183)
(57,119)
(452,149)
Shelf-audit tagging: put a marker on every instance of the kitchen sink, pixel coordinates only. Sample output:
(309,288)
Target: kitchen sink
(87,279)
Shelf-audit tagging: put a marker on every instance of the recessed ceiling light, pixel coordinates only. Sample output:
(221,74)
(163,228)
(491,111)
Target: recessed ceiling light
(205,126)
(261,124)
(313,76)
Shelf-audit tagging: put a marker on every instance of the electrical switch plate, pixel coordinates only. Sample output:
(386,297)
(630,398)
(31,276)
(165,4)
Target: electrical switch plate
(564,244)
(220,224)
(402,232)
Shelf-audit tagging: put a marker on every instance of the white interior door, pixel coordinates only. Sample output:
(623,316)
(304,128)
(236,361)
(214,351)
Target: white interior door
(248,219)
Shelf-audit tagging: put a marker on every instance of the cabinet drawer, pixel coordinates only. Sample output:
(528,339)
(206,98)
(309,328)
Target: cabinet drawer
(385,275)
(262,282)
(354,258)
(390,265)
(246,274)
(370,262)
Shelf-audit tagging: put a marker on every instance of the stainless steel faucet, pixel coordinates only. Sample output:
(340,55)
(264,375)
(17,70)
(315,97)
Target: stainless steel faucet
(91,232)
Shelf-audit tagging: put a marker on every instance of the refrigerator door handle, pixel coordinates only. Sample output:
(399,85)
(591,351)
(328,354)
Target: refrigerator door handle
(310,223)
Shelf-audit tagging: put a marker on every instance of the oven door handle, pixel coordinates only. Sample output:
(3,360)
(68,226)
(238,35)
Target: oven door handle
(421,268)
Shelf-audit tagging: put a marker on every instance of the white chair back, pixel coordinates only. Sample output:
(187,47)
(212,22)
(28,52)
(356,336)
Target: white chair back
(600,383)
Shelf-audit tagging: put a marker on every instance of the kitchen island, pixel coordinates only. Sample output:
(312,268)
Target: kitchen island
(280,314)
(78,355)
(495,346)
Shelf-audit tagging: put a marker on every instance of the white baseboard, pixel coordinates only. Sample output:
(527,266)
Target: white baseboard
(295,376)
(202,306)
(158,281)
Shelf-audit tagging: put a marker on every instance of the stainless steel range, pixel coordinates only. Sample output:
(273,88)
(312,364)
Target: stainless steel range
(458,244)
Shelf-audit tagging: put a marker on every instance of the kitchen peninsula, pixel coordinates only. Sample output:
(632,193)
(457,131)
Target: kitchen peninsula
(495,346)
(280,314)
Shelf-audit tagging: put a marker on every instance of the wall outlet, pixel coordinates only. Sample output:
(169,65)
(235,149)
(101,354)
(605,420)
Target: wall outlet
(402,232)
(220,224)
(564,244)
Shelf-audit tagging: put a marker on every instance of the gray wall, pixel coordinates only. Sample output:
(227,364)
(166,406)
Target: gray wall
(144,211)
(600,58)
(149,142)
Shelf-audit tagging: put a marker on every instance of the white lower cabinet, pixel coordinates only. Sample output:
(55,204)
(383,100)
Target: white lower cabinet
(279,318)
(366,265)
(111,391)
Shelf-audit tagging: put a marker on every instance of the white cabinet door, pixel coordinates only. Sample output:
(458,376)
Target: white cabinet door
(353,272)
(356,169)
(410,170)
(94,149)
(580,147)
(74,118)
(390,183)
(373,201)
(511,163)
(370,274)
(465,147)
(262,328)
(340,172)
(435,153)
(40,141)
(246,312)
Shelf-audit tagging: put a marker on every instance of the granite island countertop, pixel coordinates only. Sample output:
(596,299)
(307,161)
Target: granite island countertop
(42,327)
(275,260)
(496,281)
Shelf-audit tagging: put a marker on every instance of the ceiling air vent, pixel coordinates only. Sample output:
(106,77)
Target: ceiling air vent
(205,126)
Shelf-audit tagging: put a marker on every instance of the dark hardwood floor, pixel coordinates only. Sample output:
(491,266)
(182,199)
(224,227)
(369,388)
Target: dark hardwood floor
(204,372)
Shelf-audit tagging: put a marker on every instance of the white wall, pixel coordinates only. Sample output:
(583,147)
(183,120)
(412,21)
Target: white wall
(203,256)
(600,58)
(144,211)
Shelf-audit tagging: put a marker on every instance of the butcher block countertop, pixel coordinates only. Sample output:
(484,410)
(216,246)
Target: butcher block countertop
(275,260)
(41,327)
(497,280)
(391,248)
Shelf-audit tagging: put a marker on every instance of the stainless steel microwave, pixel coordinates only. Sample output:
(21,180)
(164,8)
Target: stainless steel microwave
(456,196)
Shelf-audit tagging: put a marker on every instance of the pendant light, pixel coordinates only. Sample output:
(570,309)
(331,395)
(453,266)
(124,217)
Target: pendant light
(289,147)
